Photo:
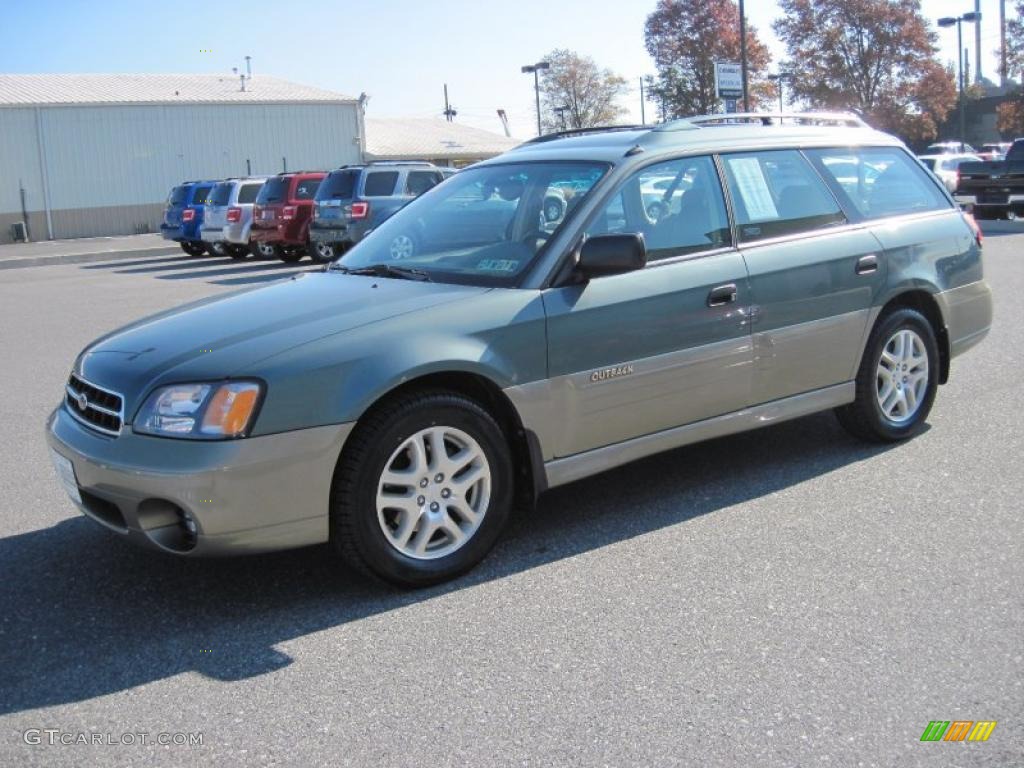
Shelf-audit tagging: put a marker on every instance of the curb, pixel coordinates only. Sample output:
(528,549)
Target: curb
(15,262)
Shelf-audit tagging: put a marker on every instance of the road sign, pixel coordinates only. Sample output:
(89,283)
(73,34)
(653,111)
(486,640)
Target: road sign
(728,80)
(730,106)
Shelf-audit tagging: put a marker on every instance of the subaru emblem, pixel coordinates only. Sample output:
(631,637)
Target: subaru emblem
(82,400)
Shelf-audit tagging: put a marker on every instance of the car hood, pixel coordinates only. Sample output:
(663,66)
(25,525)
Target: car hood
(216,338)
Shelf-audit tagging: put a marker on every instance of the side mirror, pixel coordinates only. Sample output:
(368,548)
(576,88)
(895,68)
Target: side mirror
(611,255)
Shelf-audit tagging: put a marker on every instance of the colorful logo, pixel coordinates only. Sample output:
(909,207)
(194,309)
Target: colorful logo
(958,730)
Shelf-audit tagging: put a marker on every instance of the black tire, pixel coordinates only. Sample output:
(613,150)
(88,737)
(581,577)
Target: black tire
(863,417)
(218,249)
(321,253)
(355,530)
(265,250)
(238,252)
(290,254)
(193,248)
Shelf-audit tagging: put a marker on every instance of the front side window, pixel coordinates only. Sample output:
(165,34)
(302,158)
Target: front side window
(778,193)
(306,189)
(677,206)
(483,226)
(248,192)
(880,181)
(380,184)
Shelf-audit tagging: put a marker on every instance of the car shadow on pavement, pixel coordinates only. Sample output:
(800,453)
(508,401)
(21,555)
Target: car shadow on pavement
(85,614)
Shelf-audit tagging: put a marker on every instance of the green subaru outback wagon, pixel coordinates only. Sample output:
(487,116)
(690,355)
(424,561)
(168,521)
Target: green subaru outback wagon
(703,277)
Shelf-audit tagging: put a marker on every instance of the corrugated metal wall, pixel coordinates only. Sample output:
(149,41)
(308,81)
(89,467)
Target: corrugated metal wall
(108,157)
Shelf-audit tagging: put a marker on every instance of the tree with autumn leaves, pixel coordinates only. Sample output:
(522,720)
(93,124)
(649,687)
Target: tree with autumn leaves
(1010,118)
(876,57)
(686,38)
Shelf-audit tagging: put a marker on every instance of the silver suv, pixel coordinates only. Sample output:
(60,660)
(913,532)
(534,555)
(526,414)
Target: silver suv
(399,408)
(228,216)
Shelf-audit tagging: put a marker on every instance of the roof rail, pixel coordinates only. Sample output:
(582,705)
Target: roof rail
(292,173)
(838,119)
(400,162)
(585,132)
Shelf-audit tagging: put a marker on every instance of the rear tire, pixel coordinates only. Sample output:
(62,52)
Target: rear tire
(193,248)
(263,250)
(218,249)
(897,379)
(321,253)
(290,254)
(445,512)
(238,252)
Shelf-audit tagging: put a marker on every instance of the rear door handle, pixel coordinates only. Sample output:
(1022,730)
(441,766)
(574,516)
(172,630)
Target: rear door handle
(867,264)
(723,294)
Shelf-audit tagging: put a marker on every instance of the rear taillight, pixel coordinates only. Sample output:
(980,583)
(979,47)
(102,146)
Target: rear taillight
(188,214)
(289,211)
(979,238)
(234,214)
(359,210)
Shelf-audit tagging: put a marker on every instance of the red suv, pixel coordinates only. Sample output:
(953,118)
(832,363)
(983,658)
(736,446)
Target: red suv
(281,215)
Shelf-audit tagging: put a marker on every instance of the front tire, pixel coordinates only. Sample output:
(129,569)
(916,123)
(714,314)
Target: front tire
(193,248)
(897,379)
(422,490)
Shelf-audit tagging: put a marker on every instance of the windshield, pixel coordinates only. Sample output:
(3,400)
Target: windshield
(484,226)
(274,191)
(222,193)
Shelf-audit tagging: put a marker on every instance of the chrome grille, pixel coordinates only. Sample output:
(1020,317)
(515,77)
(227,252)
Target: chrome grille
(103,410)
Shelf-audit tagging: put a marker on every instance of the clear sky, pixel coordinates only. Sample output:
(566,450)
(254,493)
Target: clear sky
(401,52)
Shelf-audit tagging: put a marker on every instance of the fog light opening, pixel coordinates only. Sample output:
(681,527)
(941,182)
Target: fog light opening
(168,525)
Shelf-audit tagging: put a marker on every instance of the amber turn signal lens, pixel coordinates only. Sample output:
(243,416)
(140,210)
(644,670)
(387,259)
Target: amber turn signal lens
(230,409)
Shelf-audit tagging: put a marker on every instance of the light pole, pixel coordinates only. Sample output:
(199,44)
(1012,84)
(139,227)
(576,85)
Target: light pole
(780,78)
(949,21)
(536,69)
(743,55)
(560,111)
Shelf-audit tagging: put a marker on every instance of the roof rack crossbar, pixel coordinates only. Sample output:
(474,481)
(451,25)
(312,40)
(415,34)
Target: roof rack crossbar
(847,119)
(585,132)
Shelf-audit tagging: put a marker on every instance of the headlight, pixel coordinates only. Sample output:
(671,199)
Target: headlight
(200,411)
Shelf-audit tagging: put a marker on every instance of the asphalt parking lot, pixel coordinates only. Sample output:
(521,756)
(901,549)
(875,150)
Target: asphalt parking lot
(784,597)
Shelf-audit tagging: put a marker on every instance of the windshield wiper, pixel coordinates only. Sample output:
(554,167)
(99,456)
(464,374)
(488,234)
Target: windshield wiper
(383,270)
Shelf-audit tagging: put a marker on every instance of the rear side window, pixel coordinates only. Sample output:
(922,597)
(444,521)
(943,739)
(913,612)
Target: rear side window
(338,185)
(222,193)
(247,192)
(419,182)
(178,196)
(380,183)
(306,189)
(273,191)
(778,193)
(201,195)
(885,181)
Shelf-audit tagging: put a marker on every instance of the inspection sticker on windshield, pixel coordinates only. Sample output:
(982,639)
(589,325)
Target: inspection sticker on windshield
(66,473)
(497,265)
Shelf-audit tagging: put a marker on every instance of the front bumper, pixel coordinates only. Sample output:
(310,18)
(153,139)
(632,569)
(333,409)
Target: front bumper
(967,312)
(256,494)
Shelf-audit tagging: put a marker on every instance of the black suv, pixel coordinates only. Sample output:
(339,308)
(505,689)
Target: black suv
(354,199)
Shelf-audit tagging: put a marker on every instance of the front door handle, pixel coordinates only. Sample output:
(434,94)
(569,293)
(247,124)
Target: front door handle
(867,264)
(722,295)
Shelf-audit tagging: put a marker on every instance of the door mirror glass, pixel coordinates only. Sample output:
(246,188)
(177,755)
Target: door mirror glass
(603,255)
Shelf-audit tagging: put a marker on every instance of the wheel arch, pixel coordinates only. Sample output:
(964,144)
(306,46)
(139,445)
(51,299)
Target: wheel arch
(530,477)
(924,302)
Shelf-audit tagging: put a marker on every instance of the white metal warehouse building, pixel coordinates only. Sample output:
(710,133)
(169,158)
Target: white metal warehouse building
(90,155)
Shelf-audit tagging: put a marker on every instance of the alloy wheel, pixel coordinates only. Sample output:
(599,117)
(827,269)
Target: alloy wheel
(433,493)
(901,379)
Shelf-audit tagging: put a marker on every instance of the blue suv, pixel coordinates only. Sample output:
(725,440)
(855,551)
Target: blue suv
(183,217)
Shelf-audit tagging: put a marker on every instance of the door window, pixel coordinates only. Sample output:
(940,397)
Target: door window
(380,184)
(419,182)
(677,206)
(880,181)
(778,193)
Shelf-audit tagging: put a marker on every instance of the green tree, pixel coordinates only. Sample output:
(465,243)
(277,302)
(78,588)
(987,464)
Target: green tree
(686,38)
(585,94)
(875,57)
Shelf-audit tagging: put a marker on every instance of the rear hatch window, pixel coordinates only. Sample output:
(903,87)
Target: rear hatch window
(222,193)
(339,185)
(178,196)
(199,197)
(248,192)
(274,191)
(306,189)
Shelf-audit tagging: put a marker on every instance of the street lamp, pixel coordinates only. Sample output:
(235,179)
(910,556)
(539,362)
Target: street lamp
(560,111)
(949,21)
(780,78)
(535,69)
